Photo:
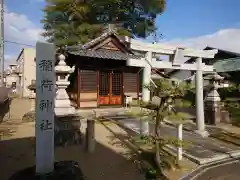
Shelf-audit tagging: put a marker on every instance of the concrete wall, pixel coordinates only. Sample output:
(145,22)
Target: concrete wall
(20,84)
(29,68)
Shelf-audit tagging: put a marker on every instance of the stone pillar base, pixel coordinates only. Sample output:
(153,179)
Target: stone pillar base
(212,113)
(67,130)
(202,133)
(225,117)
(62,170)
(60,111)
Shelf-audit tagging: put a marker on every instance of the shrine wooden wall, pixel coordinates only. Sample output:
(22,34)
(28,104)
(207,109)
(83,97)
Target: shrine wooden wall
(84,92)
(88,88)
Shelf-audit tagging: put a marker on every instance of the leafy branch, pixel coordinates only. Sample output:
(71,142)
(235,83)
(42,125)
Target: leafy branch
(166,97)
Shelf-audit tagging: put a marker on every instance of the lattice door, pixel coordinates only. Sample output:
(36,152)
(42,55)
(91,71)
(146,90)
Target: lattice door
(104,84)
(116,88)
(116,84)
(104,88)
(110,88)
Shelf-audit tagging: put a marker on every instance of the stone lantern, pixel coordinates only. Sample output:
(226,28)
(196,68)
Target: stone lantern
(212,101)
(62,103)
(67,122)
(32,88)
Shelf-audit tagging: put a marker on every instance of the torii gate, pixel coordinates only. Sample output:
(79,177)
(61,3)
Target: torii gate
(149,62)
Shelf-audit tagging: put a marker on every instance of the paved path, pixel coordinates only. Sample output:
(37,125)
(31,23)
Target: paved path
(203,150)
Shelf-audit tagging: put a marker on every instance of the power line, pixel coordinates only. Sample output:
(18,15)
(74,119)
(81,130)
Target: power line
(18,43)
(2,41)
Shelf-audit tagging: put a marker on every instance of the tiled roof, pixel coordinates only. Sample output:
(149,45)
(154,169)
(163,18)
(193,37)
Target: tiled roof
(103,54)
(106,34)
(89,44)
(85,50)
(227,65)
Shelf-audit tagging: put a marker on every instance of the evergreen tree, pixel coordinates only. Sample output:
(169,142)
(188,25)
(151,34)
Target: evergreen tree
(68,22)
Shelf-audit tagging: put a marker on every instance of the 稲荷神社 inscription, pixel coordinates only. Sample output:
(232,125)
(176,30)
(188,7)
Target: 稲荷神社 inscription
(45,98)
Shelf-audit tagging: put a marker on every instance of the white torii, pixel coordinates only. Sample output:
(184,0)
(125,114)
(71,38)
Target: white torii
(148,62)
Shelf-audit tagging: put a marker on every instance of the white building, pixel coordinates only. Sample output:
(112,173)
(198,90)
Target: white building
(26,66)
(11,76)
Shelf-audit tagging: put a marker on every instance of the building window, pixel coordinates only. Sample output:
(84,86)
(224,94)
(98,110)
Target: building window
(14,84)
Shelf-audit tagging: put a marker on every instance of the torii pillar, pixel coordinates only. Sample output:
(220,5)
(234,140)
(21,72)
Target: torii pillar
(147,71)
(199,99)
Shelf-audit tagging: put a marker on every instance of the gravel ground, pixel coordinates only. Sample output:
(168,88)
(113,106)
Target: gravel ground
(108,162)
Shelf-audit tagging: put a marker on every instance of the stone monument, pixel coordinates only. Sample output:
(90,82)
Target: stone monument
(45,96)
(46,168)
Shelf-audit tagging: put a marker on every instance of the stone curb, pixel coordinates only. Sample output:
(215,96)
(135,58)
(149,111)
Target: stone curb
(233,154)
(203,168)
(200,161)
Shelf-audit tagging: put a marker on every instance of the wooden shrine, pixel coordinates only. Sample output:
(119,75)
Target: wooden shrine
(101,75)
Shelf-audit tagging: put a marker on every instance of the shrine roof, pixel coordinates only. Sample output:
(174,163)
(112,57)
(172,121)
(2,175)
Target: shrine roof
(106,34)
(107,46)
(103,54)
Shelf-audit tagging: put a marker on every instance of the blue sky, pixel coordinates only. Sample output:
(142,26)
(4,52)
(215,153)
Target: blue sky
(187,22)
(192,18)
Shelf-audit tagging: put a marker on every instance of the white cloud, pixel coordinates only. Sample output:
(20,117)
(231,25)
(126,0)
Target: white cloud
(36,1)
(19,28)
(8,57)
(228,39)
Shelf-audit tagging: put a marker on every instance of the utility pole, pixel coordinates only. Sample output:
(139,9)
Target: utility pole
(2,41)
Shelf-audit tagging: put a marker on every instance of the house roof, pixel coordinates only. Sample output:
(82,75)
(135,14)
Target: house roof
(227,65)
(222,51)
(91,49)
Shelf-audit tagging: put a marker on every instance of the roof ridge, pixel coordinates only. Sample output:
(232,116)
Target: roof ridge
(107,32)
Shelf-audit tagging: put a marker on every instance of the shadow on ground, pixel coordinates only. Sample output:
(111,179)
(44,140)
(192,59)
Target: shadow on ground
(4,108)
(18,154)
(143,157)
